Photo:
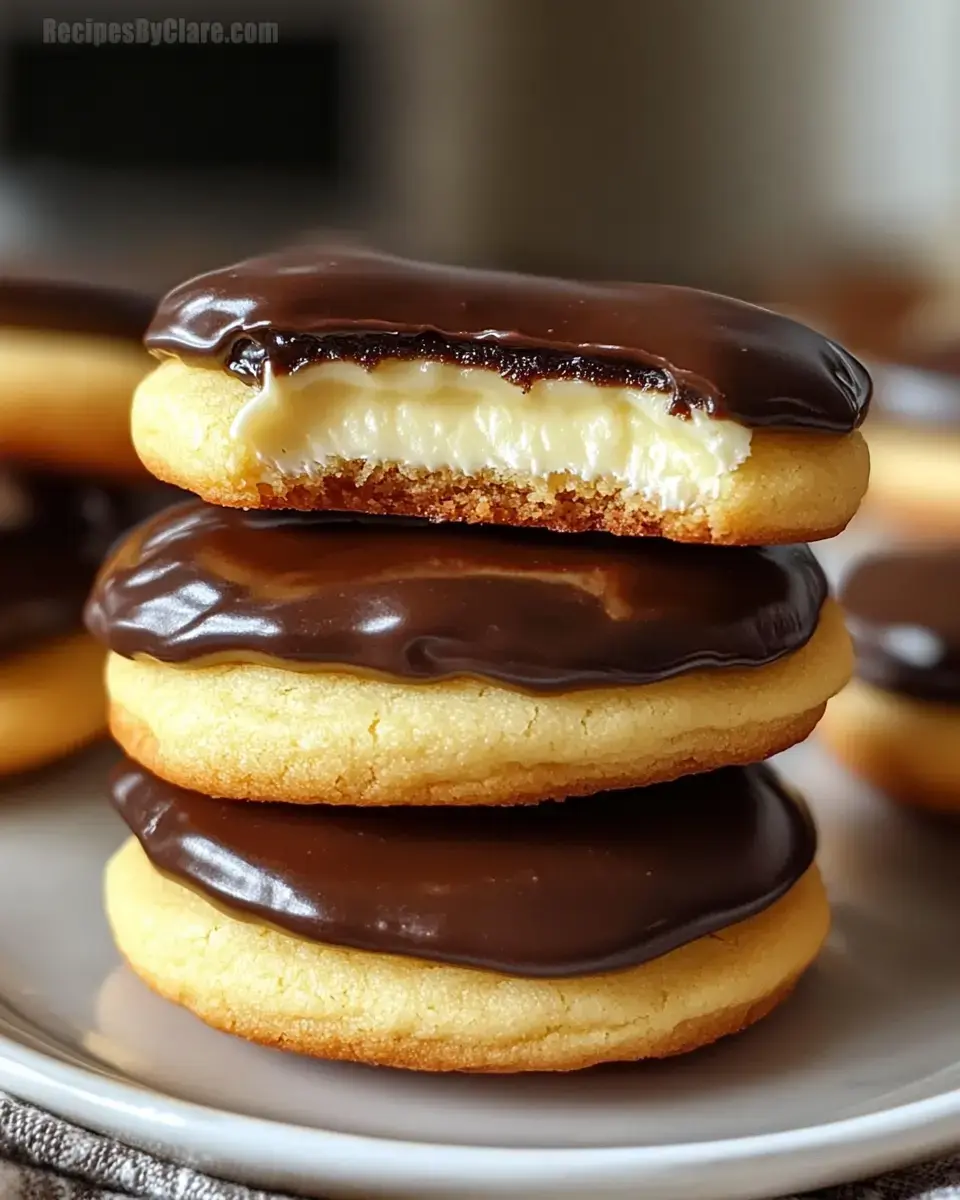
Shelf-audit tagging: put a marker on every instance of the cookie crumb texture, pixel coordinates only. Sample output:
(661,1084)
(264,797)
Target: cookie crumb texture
(337,1003)
(793,487)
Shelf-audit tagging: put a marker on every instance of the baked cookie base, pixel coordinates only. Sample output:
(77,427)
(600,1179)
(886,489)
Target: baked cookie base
(794,487)
(915,478)
(337,1003)
(65,402)
(266,733)
(909,749)
(51,702)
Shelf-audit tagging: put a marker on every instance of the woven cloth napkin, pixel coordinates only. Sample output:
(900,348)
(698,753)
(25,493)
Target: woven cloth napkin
(44,1158)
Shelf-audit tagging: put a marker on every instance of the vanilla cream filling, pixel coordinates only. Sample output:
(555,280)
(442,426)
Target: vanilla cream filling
(433,416)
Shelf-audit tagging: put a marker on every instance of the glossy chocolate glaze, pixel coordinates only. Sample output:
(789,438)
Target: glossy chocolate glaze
(903,610)
(312,305)
(595,884)
(921,390)
(53,535)
(414,601)
(73,307)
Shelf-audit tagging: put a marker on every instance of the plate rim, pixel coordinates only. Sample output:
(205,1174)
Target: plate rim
(236,1146)
(284,1155)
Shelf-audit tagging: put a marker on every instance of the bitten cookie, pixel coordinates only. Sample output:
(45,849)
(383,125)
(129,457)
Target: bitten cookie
(898,723)
(70,359)
(353,381)
(550,938)
(327,659)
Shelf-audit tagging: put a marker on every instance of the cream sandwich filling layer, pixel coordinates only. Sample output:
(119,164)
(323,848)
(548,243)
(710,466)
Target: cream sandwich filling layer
(432,416)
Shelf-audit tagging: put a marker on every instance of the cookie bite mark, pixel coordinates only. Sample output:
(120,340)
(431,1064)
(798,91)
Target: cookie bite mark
(441,420)
(631,408)
(793,487)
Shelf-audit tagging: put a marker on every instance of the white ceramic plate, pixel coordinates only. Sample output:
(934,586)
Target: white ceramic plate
(859,1071)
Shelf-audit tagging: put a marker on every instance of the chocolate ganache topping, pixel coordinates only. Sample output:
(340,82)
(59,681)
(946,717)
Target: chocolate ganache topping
(73,307)
(312,305)
(595,884)
(53,535)
(903,610)
(416,601)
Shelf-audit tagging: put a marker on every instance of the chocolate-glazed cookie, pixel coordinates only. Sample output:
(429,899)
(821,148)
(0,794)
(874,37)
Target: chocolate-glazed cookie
(308,305)
(71,355)
(54,532)
(393,1009)
(319,379)
(326,659)
(914,437)
(53,535)
(73,307)
(411,601)
(898,723)
(903,610)
(592,885)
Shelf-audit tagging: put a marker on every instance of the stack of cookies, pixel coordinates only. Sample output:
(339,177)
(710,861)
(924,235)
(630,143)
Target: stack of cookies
(445,705)
(70,358)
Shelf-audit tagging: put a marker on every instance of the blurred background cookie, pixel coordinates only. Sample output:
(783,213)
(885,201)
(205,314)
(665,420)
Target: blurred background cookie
(914,436)
(53,533)
(70,357)
(898,723)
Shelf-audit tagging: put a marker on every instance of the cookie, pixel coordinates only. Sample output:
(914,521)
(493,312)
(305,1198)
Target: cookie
(909,749)
(354,381)
(898,724)
(511,939)
(328,659)
(53,533)
(914,438)
(51,701)
(70,358)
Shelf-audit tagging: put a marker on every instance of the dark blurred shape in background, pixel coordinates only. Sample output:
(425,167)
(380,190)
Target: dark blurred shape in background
(737,144)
